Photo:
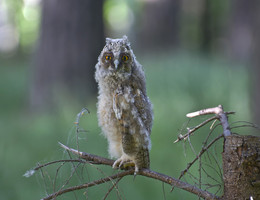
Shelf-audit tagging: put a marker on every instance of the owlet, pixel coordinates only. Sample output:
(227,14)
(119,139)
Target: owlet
(124,110)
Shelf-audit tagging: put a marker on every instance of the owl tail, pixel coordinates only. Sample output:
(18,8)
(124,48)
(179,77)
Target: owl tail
(142,159)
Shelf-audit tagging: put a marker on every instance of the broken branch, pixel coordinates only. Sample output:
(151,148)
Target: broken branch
(219,114)
(143,172)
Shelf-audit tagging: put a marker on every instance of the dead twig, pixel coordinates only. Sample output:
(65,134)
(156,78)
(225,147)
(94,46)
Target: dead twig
(145,172)
(98,160)
(32,171)
(190,131)
(112,187)
(87,185)
(219,114)
(93,159)
(203,150)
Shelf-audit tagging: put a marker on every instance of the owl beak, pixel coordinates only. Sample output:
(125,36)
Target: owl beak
(116,63)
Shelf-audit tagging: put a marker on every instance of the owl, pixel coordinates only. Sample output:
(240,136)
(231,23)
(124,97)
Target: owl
(124,109)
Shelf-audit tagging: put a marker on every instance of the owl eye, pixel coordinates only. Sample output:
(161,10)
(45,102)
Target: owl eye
(108,57)
(125,58)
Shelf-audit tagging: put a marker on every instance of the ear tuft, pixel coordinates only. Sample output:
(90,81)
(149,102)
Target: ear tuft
(125,39)
(108,40)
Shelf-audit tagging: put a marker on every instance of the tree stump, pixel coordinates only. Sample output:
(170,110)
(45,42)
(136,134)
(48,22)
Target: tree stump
(241,167)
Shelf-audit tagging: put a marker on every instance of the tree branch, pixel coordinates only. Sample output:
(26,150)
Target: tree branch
(143,172)
(178,183)
(220,114)
(190,131)
(203,150)
(94,159)
(87,185)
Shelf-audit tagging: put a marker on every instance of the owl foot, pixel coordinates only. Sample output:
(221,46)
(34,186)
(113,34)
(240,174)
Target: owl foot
(123,163)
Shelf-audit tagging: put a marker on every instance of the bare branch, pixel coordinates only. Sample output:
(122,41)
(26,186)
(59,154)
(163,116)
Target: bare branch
(220,114)
(203,150)
(112,187)
(89,157)
(178,183)
(144,172)
(216,110)
(58,161)
(87,185)
(246,124)
(190,131)
(94,159)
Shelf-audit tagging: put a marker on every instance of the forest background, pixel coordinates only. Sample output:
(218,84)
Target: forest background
(196,54)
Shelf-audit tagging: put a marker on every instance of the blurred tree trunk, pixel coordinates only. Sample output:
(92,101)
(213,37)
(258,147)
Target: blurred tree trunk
(159,25)
(206,35)
(256,66)
(244,44)
(240,29)
(71,38)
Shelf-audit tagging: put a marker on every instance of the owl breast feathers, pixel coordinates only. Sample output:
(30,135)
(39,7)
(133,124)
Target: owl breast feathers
(124,110)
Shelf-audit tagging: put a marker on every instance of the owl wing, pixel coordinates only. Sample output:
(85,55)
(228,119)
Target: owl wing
(132,106)
(130,110)
(143,106)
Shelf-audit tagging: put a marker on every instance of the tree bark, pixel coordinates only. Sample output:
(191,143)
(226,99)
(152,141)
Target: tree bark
(241,167)
(71,38)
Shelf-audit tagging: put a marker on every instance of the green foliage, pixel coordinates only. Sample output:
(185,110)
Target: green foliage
(25,16)
(177,84)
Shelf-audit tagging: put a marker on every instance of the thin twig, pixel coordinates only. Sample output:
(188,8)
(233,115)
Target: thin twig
(190,131)
(219,171)
(246,122)
(221,115)
(200,173)
(191,146)
(163,188)
(67,181)
(91,159)
(112,187)
(145,172)
(208,175)
(87,185)
(204,149)
(178,183)
(73,165)
(94,159)
(57,172)
(245,125)
(43,177)
(78,129)
(58,161)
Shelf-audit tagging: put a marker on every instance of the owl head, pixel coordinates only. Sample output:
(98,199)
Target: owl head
(116,58)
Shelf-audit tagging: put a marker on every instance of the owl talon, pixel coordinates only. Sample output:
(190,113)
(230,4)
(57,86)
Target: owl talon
(123,164)
(115,165)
